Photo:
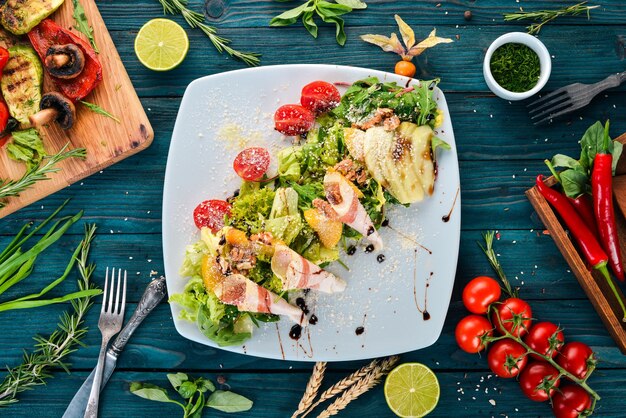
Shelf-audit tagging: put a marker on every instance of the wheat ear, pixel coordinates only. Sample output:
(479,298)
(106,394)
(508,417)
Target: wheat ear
(311,388)
(360,387)
(342,385)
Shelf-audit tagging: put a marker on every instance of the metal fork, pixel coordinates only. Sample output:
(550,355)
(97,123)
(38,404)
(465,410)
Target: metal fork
(570,98)
(110,323)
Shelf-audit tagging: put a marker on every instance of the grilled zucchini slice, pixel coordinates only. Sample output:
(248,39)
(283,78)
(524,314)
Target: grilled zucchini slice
(20,16)
(21,83)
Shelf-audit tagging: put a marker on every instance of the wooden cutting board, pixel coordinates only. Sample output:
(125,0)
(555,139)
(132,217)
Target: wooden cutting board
(106,141)
(592,282)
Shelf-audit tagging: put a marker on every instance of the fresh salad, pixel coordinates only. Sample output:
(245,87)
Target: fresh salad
(268,244)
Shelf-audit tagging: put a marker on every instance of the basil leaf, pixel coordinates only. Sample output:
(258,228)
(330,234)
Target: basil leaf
(564,161)
(591,143)
(82,24)
(574,183)
(340,34)
(227,401)
(151,392)
(291,14)
(187,389)
(177,379)
(354,4)
(204,385)
(198,406)
(309,23)
(618,147)
(327,9)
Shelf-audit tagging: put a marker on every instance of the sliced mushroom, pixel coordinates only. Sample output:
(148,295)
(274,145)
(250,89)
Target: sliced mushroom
(54,106)
(65,61)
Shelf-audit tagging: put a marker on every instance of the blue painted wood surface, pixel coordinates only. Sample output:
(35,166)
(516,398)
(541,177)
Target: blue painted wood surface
(500,152)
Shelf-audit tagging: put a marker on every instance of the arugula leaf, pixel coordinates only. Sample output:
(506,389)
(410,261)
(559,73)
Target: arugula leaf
(97,109)
(227,401)
(82,24)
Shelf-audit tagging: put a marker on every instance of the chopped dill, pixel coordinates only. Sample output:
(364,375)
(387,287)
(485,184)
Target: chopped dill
(515,67)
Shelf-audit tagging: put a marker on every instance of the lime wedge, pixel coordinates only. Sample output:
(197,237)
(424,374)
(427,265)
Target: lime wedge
(412,390)
(161,44)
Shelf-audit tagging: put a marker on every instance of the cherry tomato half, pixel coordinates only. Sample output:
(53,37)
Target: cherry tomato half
(479,293)
(576,358)
(405,68)
(251,163)
(545,338)
(4,58)
(320,97)
(515,316)
(210,213)
(469,331)
(570,401)
(535,379)
(507,358)
(293,120)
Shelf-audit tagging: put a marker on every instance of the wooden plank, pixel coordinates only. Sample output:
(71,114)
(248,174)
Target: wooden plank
(277,395)
(254,14)
(106,141)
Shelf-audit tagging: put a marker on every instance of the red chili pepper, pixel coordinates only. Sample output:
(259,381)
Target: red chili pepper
(584,207)
(587,242)
(48,33)
(602,192)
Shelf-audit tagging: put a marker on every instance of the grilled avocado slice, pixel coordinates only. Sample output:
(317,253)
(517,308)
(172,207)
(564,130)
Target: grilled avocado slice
(21,82)
(20,16)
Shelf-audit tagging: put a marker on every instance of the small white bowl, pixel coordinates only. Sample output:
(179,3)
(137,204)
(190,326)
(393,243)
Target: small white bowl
(533,43)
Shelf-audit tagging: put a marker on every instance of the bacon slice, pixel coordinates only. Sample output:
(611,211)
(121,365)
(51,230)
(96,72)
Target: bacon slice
(342,196)
(248,296)
(296,272)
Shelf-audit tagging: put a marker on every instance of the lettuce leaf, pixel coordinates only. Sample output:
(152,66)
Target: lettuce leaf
(250,211)
(193,259)
(27,147)
(285,221)
(289,163)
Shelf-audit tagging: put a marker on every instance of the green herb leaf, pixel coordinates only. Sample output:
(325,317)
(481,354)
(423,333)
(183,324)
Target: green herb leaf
(151,392)
(177,379)
(574,183)
(290,16)
(564,161)
(82,24)
(354,4)
(205,385)
(438,143)
(227,401)
(309,23)
(27,147)
(97,109)
(198,407)
(618,147)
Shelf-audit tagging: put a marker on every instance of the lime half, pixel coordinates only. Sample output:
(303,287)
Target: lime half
(161,44)
(412,390)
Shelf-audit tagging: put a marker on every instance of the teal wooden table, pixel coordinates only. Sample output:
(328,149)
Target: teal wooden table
(500,153)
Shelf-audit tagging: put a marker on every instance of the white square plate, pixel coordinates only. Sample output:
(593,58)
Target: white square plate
(224,113)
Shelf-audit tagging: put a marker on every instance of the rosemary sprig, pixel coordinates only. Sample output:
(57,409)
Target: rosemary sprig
(495,263)
(545,16)
(196,20)
(51,352)
(11,188)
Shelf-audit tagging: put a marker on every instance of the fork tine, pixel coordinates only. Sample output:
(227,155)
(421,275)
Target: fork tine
(116,308)
(553,110)
(548,96)
(123,296)
(544,105)
(555,115)
(111,292)
(104,294)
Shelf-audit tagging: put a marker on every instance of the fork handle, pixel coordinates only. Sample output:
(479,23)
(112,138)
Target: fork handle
(611,81)
(94,395)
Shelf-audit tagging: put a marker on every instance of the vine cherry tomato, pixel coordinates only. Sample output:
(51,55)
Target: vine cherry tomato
(479,293)
(515,316)
(576,358)
(545,338)
(405,68)
(293,120)
(469,331)
(507,358)
(570,401)
(211,213)
(251,163)
(4,58)
(539,380)
(320,97)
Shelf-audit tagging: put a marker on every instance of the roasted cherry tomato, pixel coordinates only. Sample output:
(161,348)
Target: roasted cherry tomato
(405,68)
(320,97)
(211,213)
(571,401)
(576,358)
(293,120)
(4,58)
(479,293)
(469,331)
(251,163)
(545,338)
(515,316)
(536,377)
(507,358)
(4,120)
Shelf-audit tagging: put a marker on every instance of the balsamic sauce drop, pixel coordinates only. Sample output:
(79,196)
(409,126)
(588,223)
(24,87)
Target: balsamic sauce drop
(296,332)
(351,250)
(359,330)
(380,258)
(369,248)
(426,315)
(313,319)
